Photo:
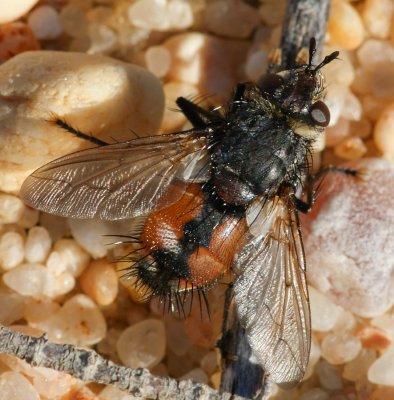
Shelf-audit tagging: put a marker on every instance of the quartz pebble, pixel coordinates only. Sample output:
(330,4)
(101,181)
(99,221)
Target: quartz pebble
(16,37)
(210,63)
(351,149)
(234,19)
(150,14)
(385,322)
(50,383)
(112,393)
(57,284)
(345,26)
(381,370)
(98,95)
(256,65)
(45,23)
(340,348)
(143,344)
(180,14)
(337,133)
(29,218)
(74,258)
(11,250)
(196,375)
(328,376)
(358,367)
(12,306)
(38,244)
(315,394)
(272,12)
(377,16)
(79,322)
(40,310)
(15,386)
(324,312)
(27,279)
(177,340)
(103,39)
(19,8)
(346,236)
(100,282)
(373,338)
(383,132)
(11,208)
(158,60)
(209,363)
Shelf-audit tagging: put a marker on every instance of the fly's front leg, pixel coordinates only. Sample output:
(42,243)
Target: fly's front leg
(312,190)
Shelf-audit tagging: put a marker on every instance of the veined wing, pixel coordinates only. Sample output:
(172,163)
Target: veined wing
(116,181)
(271,293)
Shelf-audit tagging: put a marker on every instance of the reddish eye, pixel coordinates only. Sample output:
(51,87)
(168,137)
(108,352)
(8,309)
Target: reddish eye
(270,82)
(320,114)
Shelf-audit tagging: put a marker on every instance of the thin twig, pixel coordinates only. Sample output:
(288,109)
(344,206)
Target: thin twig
(88,366)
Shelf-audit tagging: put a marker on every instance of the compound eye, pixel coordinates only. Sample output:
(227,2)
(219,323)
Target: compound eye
(269,83)
(320,114)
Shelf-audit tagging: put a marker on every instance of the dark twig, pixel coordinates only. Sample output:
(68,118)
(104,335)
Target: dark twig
(88,366)
(304,19)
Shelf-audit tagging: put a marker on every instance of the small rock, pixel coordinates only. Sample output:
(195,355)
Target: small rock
(256,65)
(177,340)
(340,348)
(158,60)
(18,9)
(383,132)
(315,394)
(210,362)
(345,26)
(143,344)
(45,23)
(272,12)
(328,376)
(377,16)
(385,322)
(11,250)
(196,375)
(100,282)
(73,256)
(29,218)
(357,368)
(103,39)
(340,70)
(39,310)
(112,393)
(337,133)
(211,63)
(381,370)
(38,244)
(180,14)
(11,208)
(16,37)
(16,387)
(12,306)
(347,236)
(234,18)
(149,14)
(373,338)
(375,51)
(351,148)
(98,95)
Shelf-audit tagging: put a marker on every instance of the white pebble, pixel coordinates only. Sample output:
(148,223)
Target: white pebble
(74,257)
(79,322)
(14,386)
(12,11)
(314,357)
(12,306)
(335,100)
(385,322)
(377,16)
(11,208)
(375,51)
(143,344)
(256,65)
(352,109)
(180,14)
(345,322)
(340,348)
(151,14)
(59,284)
(103,39)
(324,312)
(51,384)
(196,375)
(44,21)
(55,264)
(328,376)
(158,60)
(27,279)
(38,244)
(11,250)
(381,371)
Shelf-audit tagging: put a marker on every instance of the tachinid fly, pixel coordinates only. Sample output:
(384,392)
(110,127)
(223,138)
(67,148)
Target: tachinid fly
(217,198)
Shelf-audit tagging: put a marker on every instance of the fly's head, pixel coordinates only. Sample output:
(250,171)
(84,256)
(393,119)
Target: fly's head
(298,94)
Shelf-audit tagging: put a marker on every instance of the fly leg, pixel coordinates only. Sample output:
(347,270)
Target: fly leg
(312,190)
(198,116)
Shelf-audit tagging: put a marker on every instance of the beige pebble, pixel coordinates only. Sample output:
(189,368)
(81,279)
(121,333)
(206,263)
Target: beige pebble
(375,51)
(196,375)
(351,149)
(345,26)
(50,383)
(98,95)
(19,8)
(385,322)
(16,37)
(234,19)
(211,63)
(73,256)
(39,310)
(103,40)
(58,284)
(29,218)
(12,306)
(11,250)
(374,338)
(149,14)
(79,322)
(45,23)
(180,14)
(143,344)
(158,60)
(178,365)
(329,376)
(272,12)
(38,244)
(381,370)
(177,340)
(112,393)
(340,70)
(337,133)
(173,119)
(340,348)
(383,132)
(16,387)
(358,367)
(100,282)
(11,208)
(377,16)
(315,394)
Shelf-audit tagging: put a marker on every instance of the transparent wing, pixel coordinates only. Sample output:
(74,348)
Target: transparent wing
(117,181)
(271,293)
